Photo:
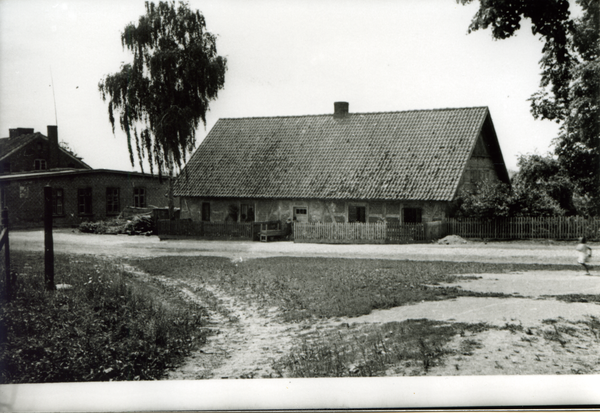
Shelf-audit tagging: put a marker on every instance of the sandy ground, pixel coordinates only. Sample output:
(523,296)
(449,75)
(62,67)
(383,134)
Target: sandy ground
(570,344)
(248,339)
(72,241)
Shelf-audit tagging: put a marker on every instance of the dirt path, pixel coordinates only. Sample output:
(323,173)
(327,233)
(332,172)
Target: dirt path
(71,241)
(248,341)
(244,342)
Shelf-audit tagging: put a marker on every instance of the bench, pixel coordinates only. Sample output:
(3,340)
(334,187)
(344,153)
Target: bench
(267,231)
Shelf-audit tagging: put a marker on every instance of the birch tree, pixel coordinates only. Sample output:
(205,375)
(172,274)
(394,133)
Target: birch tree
(161,97)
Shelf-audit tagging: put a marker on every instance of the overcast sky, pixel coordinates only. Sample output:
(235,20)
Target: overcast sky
(284,57)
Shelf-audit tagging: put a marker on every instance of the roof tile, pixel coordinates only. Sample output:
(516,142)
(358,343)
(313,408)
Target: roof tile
(417,155)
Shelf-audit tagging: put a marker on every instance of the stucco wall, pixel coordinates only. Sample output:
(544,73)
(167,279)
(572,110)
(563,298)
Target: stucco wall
(318,211)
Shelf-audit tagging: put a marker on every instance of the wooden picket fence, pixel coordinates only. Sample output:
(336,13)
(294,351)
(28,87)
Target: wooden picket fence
(186,228)
(560,228)
(402,233)
(358,233)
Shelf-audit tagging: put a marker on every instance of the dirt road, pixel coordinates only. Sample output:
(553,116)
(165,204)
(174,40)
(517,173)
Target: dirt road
(138,246)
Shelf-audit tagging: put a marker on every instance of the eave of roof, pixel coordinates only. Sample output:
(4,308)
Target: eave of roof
(68,172)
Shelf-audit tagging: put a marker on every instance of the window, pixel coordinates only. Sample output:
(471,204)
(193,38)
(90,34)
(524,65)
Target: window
(39,164)
(84,201)
(139,197)
(301,214)
(205,211)
(58,201)
(412,215)
(357,213)
(113,205)
(232,213)
(246,213)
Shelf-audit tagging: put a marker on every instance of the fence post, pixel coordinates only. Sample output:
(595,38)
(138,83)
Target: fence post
(6,255)
(48,241)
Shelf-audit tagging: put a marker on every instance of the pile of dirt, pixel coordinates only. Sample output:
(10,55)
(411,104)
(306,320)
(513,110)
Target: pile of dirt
(452,240)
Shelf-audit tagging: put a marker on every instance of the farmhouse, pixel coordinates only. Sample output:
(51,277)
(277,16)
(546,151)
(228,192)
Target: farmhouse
(29,161)
(343,167)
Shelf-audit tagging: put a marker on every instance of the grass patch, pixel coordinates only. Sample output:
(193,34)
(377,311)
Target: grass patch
(577,298)
(410,347)
(108,326)
(328,287)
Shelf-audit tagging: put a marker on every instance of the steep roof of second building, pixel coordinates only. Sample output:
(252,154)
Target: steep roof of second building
(418,155)
(9,146)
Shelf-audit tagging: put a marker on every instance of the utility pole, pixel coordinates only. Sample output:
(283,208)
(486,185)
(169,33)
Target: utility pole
(48,241)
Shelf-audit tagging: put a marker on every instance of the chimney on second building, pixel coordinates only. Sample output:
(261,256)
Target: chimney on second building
(15,133)
(53,151)
(340,110)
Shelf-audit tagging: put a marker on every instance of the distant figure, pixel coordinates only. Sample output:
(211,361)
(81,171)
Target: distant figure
(584,254)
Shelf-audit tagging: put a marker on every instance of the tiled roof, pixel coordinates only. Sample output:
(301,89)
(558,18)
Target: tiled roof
(411,155)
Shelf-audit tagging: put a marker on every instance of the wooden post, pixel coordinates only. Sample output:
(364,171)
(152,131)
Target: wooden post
(6,254)
(48,241)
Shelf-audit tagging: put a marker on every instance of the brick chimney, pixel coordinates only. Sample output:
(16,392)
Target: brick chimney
(53,151)
(15,133)
(340,110)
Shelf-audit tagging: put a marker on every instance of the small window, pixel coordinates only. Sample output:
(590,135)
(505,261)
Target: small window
(58,201)
(139,197)
(112,201)
(39,164)
(300,214)
(357,213)
(84,201)
(206,211)
(246,213)
(412,215)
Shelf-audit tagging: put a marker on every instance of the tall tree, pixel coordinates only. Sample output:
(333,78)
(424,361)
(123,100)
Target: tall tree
(162,96)
(570,79)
